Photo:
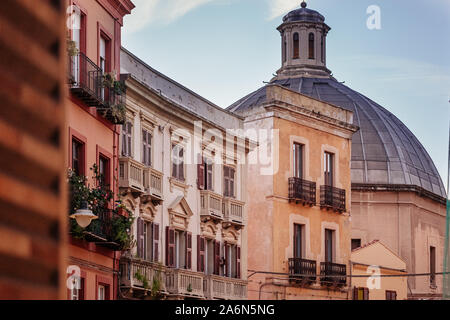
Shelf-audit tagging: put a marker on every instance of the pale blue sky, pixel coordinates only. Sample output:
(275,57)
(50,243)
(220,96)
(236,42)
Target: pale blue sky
(224,49)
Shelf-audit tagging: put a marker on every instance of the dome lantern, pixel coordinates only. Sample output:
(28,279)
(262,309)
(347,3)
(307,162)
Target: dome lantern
(303,37)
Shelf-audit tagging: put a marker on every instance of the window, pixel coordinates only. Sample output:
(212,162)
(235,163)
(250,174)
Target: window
(104,170)
(146,148)
(391,295)
(147,240)
(328,168)
(356,243)
(77,294)
(329,245)
(298,241)
(178,162)
(178,249)
(103,292)
(284,49)
(205,174)
(79,38)
(296,53)
(311,46)
(232,261)
(228,178)
(127,134)
(298,160)
(360,293)
(78,157)
(433,266)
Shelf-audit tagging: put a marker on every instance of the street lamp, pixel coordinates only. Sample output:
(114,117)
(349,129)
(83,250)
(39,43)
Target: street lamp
(84,215)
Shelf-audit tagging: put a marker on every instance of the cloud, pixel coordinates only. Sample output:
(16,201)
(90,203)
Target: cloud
(280,7)
(159,11)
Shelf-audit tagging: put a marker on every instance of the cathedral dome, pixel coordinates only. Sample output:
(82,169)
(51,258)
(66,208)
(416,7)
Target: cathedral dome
(385,153)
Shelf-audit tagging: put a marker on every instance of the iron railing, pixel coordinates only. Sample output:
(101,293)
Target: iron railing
(102,229)
(331,197)
(302,270)
(333,273)
(302,190)
(86,81)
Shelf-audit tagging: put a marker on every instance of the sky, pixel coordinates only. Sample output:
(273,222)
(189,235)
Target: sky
(225,49)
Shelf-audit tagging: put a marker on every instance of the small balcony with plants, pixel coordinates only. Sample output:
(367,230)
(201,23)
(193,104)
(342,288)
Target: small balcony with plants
(109,227)
(89,83)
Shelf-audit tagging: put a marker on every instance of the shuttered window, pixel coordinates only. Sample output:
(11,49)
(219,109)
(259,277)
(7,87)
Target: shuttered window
(360,293)
(178,162)
(228,178)
(127,138)
(205,174)
(391,295)
(146,148)
(188,264)
(170,247)
(201,254)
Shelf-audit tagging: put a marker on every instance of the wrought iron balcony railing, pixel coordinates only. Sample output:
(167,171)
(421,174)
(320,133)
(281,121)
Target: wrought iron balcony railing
(101,230)
(302,270)
(333,198)
(86,81)
(333,273)
(302,191)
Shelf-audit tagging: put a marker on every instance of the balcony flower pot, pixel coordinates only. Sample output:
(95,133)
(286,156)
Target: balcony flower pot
(122,212)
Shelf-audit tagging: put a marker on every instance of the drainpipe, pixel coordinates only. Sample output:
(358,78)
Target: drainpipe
(350,280)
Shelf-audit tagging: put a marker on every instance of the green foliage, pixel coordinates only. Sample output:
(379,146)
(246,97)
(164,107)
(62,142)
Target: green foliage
(140,277)
(98,198)
(157,284)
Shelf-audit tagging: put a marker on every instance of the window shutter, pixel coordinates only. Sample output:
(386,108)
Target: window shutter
(232,173)
(366,294)
(188,250)
(225,181)
(170,247)
(200,173)
(225,257)
(216,257)
(155,242)
(355,293)
(238,262)
(200,254)
(140,238)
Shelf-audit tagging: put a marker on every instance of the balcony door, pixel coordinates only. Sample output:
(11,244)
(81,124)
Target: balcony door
(78,20)
(328,169)
(298,160)
(298,241)
(329,245)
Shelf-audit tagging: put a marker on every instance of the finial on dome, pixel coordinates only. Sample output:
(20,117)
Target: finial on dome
(303,4)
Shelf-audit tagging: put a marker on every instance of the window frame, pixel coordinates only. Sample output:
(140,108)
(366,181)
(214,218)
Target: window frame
(311,44)
(127,139)
(329,168)
(147,147)
(298,160)
(181,159)
(296,45)
(228,182)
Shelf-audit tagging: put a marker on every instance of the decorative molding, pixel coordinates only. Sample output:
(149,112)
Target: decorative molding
(209,229)
(179,219)
(178,184)
(230,235)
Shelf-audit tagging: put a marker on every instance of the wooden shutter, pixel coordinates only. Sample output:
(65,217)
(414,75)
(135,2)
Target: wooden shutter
(366,294)
(238,262)
(226,181)
(216,257)
(200,173)
(170,247)
(200,254)
(355,293)
(226,247)
(155,242)
(140,238)
(188,250)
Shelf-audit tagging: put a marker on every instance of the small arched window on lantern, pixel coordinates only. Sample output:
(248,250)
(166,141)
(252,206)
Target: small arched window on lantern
(311,46)
(322,49)
(284,49)
(296,53)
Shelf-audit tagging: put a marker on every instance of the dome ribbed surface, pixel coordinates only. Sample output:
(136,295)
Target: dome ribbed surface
(384,150)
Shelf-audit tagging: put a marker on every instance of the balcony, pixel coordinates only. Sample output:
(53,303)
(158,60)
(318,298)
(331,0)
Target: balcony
(140,275)
(185,283)
(302,191)
(333,274)
(223,288)
(153,184)
(131,175)
(332,198)
(210,205)
(302,271)
(86,83)
(101,230)
(233,212)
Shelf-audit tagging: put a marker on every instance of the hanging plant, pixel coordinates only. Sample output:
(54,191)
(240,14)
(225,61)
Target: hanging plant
(72,49)
(108,79)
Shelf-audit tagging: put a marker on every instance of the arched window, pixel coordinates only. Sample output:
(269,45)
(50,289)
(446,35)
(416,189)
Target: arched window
(322,51)
(284,49)
(311,46)
(296,53)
